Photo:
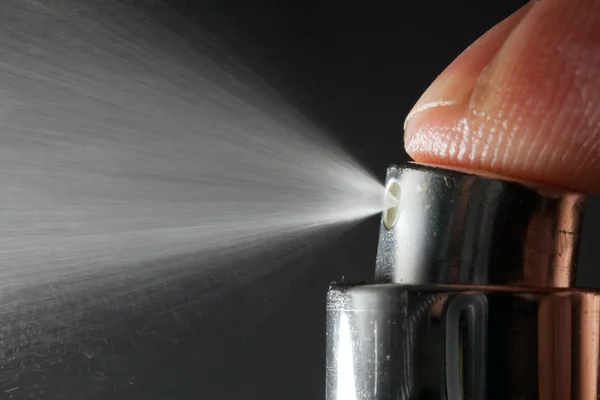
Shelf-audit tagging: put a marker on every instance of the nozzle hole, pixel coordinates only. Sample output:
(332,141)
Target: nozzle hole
(391,202)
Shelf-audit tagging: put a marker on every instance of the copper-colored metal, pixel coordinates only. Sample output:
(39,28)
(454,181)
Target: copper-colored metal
(551,242)
(589,341)
(554,347)
(566,240)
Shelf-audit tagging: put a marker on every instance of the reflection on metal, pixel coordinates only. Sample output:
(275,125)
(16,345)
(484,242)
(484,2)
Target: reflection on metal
(472,300)
(344,363)
(464,320)
(509,344)
(454,227)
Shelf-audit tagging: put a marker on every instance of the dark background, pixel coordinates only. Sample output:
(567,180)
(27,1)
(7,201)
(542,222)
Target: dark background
(357,72)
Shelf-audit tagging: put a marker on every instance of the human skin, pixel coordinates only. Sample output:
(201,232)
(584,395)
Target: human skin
(523,101)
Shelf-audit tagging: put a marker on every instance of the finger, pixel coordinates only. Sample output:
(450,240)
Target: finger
(523,101)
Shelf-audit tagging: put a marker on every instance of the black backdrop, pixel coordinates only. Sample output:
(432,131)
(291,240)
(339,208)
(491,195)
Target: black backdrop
(357,71)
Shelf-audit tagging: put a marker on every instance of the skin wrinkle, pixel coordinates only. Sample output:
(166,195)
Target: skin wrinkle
(556,129)
(591,119)
(486,88)
(503,115)
(592,150)
(453,148)
(513,131)
(464,127)
(498,90)
(545,43)
(573,124)
(546,125)
(521,145)
(546,128)
(508,160)
(483,82)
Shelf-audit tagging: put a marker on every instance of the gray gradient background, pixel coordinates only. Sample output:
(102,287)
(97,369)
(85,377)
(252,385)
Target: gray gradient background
(358,72)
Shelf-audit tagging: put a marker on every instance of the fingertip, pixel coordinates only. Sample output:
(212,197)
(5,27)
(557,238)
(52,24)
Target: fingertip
(523,101)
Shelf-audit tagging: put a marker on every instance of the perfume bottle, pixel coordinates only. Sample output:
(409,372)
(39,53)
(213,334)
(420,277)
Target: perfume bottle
(473,296)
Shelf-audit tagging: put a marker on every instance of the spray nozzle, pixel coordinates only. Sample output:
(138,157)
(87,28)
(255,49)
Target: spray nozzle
(391,203)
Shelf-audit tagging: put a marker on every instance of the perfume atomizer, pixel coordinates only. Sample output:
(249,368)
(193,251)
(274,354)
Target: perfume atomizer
(473,297)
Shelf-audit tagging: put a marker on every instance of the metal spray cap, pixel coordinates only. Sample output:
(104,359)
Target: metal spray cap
(450,227)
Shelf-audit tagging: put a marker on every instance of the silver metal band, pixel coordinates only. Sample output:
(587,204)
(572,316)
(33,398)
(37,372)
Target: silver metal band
(450,227)
(401,342)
